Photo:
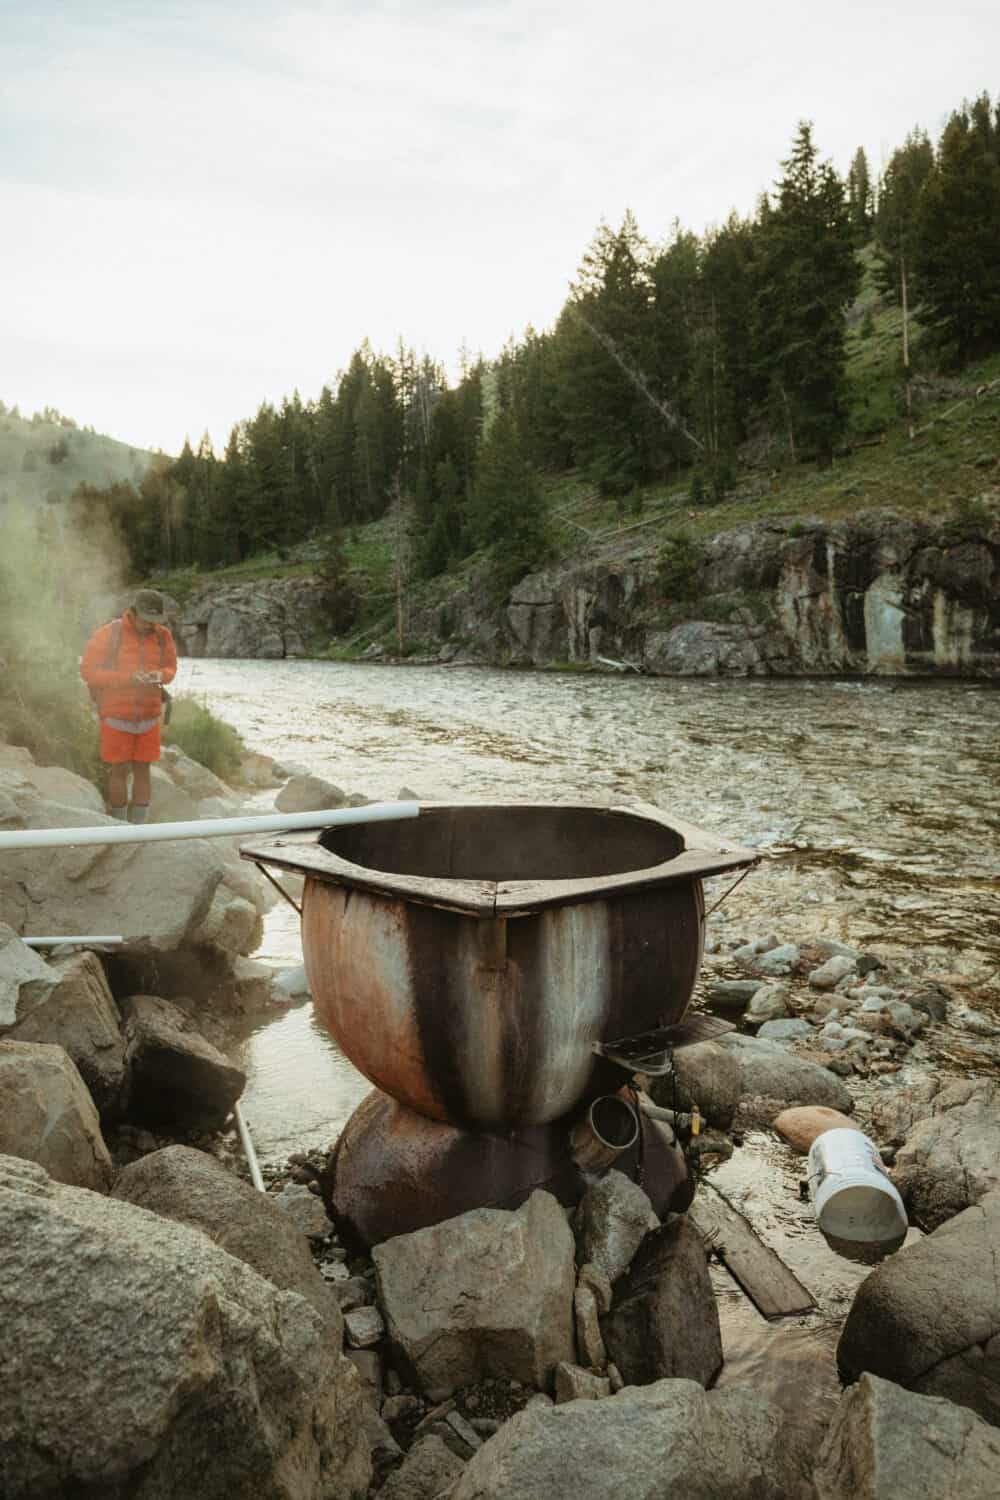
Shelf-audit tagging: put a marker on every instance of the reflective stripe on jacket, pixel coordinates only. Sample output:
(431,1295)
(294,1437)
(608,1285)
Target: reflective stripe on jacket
(118,696)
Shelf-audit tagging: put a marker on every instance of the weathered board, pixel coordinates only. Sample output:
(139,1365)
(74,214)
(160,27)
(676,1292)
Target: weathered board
(762,1274)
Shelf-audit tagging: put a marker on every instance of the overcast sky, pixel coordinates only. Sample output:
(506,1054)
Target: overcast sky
(206,204)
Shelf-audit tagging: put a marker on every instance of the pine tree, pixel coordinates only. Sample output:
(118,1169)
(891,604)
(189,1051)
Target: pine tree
(860,198)
(507,513)
(807,274)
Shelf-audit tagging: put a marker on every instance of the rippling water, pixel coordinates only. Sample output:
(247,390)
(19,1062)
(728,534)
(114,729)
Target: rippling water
(877,804)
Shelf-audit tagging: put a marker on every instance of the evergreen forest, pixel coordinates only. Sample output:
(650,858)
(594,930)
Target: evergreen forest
(690,361)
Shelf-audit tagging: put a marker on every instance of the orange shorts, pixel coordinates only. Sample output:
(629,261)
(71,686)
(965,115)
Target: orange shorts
(118,747)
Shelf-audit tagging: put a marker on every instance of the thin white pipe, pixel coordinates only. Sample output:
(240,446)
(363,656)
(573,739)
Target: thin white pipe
(205,828)
(78,938)
(248,1149)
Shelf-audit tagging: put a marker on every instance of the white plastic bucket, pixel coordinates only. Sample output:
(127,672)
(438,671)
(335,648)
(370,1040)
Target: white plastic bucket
(851,1192)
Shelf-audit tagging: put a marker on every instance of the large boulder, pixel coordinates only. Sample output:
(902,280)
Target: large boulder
(79,1014)
(769,1073)
(486,1295)
(884,1443)
(671,1439)
(948,1132)
(308,793)
(704,1074)
(929,1317)
(141,1360)
(25,977)
(175,1077)
(192,1188)
(47,1115)
(664,1322)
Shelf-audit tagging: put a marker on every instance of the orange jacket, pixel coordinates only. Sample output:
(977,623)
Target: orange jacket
(117,695)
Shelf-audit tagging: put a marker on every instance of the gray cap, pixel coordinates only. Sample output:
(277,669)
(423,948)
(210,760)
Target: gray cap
(151,605)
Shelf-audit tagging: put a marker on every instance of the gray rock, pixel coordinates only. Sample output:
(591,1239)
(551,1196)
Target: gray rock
(589,1343)
(385,1452)
(598,1282)
(669,1439)
(664,1321)
(368,1363)
(304,1208)
(175,1077)
(613,1218)
(363,1327)
(140,1359)
(732,994)
(948,1132)
(704,1074)
(576,1384)
(25,977)
(79,1015)
(425,1473)
(787,1080)
(47,1116)
(789,1030)
(291,984)
(832,972)
(770,1003)
(885,1443)
(488,1294)
(932,1002)
(929,1317)
(309,794)
(231,922)
(192,1188)
(778,961)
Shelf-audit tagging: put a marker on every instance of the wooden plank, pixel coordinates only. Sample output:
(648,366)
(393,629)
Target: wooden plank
(763,1275)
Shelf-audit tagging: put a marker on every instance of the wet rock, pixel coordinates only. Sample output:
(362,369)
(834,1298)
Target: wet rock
(770,1003)
(78,1014)
(785,1031)
(832,972)
(47,1116)
(706,1075)
(929,1317)
(885,1443)
(786,1080)
(487,1294)
(309,794)
(25,978)
(664,1321)
(109,1312)
(948,1134)
(192,1188)
(576,1384)
(425,1473)
(613,1218)
(667,1439)
(800,1127)
(175,1077)
(304,1208)
(589,1343)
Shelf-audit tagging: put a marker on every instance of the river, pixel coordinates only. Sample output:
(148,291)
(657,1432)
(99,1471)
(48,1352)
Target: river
(875,805)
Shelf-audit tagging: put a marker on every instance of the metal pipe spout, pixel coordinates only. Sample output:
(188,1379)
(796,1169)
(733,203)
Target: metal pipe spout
(609,1127)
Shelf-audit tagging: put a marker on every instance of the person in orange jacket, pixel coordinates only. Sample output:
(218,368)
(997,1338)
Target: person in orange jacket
(124,665)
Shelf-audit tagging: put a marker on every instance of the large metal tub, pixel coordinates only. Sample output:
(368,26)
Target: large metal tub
(467,960)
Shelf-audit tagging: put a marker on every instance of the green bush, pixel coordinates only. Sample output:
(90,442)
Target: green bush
(212,742)
(679,568)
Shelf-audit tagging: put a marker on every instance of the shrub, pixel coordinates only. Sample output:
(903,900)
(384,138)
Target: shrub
(678,572)
(212,742)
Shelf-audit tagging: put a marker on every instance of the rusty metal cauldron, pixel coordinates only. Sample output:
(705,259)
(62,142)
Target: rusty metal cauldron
(468,960)
(395,1171)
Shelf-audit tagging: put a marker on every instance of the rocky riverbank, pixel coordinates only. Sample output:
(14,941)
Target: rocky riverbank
(172,1332)
(874,595)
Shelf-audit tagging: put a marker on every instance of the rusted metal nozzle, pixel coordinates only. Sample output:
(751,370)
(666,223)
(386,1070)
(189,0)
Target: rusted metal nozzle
(609,1127)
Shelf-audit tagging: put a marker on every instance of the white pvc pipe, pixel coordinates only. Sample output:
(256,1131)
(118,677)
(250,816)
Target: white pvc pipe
(88,941)
(248,1149)
(205,828)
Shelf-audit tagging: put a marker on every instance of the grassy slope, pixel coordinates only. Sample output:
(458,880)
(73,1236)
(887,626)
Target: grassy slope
(954,457)
(27,473)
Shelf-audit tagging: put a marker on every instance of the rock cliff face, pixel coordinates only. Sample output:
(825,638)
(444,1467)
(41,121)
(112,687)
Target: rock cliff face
(875,595)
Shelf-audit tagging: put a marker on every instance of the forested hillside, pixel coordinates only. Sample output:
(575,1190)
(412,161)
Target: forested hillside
(732,369)
(46,457)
